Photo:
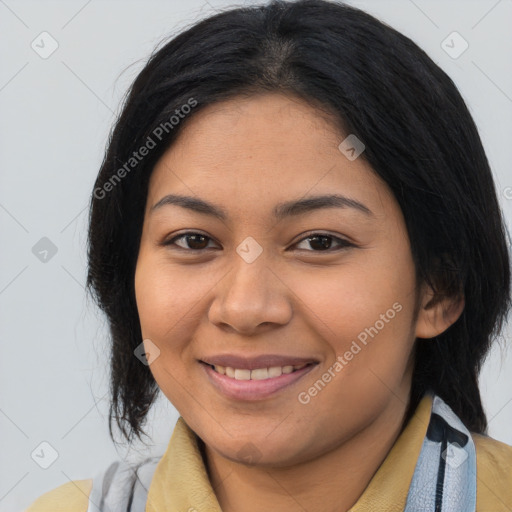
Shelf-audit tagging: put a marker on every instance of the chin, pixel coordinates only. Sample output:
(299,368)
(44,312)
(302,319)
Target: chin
(259,451)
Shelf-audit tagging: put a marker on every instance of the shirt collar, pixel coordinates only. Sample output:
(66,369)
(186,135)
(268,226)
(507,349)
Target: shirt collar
(180,481)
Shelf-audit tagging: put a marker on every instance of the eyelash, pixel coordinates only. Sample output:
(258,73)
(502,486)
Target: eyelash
(344,244)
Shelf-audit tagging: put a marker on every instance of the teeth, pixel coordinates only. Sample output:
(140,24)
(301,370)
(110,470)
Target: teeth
(258,373)
(275,371)
(243,374)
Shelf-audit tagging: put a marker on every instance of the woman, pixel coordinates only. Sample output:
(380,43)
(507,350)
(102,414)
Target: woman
(295,236)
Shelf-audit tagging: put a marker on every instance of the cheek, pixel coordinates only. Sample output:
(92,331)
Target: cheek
(168,298)
(343,301)
(171,302)
(166,306)
(363,312)
(363,316)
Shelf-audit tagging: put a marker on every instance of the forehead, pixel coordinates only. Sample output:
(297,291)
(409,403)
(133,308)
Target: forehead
(268,148)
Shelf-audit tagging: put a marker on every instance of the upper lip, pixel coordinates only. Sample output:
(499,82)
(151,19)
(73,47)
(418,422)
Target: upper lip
(253,362)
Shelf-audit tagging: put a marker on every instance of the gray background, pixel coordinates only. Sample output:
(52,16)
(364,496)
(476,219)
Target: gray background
(55,116)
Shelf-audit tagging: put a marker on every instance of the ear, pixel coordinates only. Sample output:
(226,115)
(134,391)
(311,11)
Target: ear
(435,316)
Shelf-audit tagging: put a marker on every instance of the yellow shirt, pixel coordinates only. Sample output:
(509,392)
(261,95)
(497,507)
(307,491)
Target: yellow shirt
(180,482)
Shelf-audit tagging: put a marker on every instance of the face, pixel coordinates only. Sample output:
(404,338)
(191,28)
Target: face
(232,279)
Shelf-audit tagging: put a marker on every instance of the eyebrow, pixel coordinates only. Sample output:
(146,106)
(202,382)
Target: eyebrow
(280,211)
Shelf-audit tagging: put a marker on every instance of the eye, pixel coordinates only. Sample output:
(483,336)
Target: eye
(321,242)
(195,241)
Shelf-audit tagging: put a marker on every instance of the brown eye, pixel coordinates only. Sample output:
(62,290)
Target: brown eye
(192,241)
(322,242)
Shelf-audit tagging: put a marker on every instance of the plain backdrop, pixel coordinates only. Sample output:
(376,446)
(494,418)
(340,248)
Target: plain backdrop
(55,114)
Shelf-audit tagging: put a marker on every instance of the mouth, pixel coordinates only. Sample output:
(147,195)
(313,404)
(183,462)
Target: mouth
(258,383)
(258,373)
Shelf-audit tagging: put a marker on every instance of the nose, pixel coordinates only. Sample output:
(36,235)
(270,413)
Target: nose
(251,298)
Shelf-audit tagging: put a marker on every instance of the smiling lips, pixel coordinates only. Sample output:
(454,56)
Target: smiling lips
(262,367)
(256,374)
(254,378)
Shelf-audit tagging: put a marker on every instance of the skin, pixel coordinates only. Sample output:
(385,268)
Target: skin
(246,155)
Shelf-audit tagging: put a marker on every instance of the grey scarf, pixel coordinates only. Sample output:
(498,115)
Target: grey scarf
(444,479)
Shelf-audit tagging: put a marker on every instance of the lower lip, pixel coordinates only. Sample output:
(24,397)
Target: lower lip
(253,389)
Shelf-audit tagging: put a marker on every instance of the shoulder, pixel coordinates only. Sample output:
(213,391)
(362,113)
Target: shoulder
(70,497)
(494,473)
